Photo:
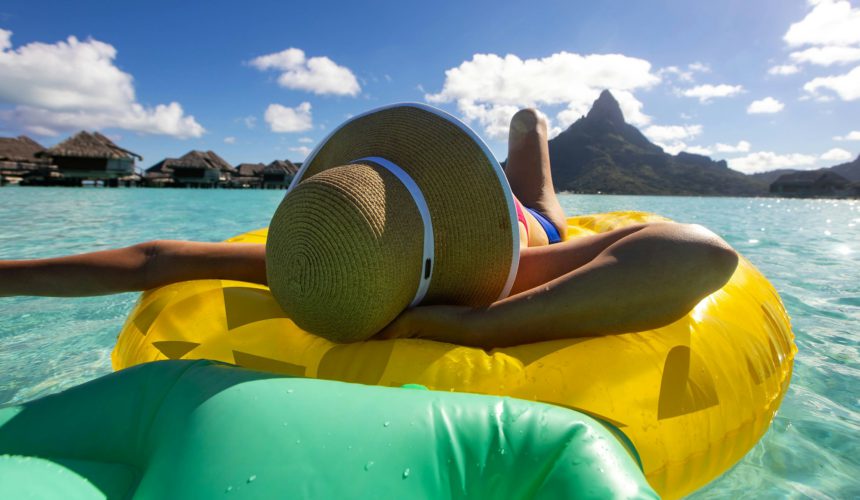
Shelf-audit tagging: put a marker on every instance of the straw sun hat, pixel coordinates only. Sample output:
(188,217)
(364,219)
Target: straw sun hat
(400,206)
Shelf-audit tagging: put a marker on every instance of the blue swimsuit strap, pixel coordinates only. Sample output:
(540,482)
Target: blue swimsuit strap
(550,230)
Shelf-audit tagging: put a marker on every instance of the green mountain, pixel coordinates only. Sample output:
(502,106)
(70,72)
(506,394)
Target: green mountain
(850,170)
(601,153)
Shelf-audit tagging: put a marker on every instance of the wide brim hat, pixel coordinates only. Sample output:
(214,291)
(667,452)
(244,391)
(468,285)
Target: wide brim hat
(400,206)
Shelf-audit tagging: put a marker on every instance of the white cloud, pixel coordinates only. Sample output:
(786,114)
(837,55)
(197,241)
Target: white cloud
(740,147)
(630,107)
(832,29)
(829,23)
(783,69)
(766,160)
(707,92)
(671,140)
(74,84)
(854,135)
(700,67)
(494,117)
(767,105)
(826,56)
(305,140)
(684,75)
(319,75)
(5,39)
(837,154)
(230,140)
(675,147)
(671,137)
(250,121)
(284,119)
(846,86)
(698,150)
(304,151)
(490,88)
(665,133)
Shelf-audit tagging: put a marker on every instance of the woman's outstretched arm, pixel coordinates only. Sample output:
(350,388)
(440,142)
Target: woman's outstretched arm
(138,267)
(627,280)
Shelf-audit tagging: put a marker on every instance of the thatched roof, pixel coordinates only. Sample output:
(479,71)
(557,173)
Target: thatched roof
(89,145)
(162,167)
(281,165)
(202,159)
(250,169)
(193,159)
(22,149)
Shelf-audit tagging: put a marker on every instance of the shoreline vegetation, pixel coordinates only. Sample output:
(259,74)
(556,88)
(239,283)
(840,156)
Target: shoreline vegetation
(598,154)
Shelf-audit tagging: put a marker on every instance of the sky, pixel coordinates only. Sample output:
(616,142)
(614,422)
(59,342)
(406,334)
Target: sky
(764,85)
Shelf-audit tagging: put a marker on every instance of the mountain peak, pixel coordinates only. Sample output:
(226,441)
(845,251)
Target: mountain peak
(606,108)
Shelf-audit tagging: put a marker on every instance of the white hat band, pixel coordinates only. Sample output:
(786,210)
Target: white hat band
(421,204)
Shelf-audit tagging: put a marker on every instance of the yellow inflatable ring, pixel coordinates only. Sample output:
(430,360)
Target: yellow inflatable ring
(693,396)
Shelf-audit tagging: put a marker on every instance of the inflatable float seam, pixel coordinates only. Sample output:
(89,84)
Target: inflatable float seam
(156,412)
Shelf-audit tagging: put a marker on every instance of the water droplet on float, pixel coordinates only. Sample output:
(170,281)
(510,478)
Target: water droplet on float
(386,424)
(229,489)
(252,478)
(298,441)
(406,473)
(289,391)
(368,465)
(501,451)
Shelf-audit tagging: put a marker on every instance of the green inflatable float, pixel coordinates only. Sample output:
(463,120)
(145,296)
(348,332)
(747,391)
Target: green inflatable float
(199,429)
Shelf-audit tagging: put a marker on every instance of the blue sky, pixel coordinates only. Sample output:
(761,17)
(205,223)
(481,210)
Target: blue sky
(768,84)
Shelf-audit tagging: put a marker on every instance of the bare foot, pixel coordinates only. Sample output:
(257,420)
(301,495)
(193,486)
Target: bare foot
(528,168)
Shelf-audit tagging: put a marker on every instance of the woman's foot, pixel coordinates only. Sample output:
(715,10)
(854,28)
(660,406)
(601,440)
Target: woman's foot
(528,168)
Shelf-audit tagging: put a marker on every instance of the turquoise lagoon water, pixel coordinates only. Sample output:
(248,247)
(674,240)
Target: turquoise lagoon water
(810,249)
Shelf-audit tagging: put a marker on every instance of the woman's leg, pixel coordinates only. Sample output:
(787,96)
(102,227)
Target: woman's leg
(528,167)
(135,268)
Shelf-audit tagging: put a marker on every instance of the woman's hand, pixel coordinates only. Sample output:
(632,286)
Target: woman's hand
(452,324)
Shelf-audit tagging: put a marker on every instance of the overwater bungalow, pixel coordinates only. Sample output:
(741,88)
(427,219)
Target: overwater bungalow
(91,156)
(248,175)
(203,169)
(19,163)
(279,174)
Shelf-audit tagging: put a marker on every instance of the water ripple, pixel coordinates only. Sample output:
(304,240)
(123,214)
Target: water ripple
(809,248)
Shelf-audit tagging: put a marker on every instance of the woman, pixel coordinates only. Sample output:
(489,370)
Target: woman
(630,279)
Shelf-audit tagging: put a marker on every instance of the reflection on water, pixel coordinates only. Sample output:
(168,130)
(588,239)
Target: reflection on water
(810,249)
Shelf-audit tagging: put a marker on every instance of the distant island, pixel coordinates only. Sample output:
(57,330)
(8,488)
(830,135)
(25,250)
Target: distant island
(602,153)
(599,154)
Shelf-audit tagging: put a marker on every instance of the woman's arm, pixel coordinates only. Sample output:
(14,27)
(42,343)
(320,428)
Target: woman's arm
(628,280)
(138,267)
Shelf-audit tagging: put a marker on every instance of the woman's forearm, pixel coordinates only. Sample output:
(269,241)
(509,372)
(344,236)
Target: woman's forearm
(644,280)
(134,268)
(96,273)
(628,280)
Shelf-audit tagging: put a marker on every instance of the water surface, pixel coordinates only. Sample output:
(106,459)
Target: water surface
(809,249)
